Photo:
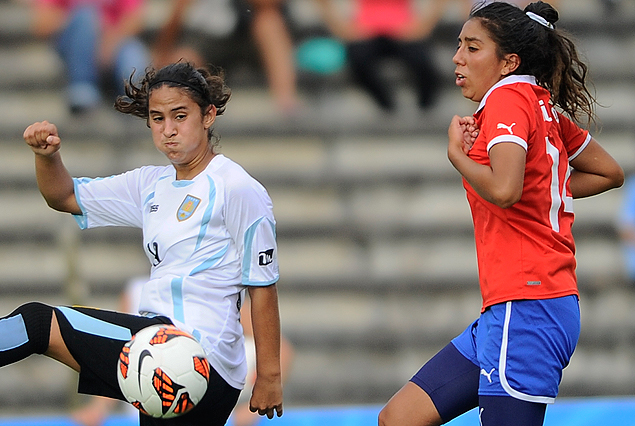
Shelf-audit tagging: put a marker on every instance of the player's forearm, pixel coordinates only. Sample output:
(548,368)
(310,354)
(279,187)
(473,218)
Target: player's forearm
(55,183)
(499,191)
(266,328)
(584,184)
(595,171)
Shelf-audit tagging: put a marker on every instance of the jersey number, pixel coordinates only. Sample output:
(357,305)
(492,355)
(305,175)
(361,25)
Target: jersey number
(154,251)
(558,189)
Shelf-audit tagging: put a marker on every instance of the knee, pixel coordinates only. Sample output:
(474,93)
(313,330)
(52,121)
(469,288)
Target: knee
(389,416)
(385,418)
(409,407)
(34,313)
(36,320)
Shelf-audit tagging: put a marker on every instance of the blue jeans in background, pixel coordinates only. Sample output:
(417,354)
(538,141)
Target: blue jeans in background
(78,45)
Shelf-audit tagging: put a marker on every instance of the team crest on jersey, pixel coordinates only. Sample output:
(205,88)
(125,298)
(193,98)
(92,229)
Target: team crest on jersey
(187,208)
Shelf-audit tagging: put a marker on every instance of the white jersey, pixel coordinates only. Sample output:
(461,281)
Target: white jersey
(206,238)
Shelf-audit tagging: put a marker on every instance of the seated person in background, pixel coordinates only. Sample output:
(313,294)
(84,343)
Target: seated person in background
(93,38)
(388,28)
(268,29)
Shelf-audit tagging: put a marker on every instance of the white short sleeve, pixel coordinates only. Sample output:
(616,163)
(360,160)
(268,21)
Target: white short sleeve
(112,201)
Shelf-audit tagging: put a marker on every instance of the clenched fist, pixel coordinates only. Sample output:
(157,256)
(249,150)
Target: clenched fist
(43,138)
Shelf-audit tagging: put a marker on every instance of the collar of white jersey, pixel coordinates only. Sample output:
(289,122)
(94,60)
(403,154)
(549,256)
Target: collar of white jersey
(216,162)
(511,79)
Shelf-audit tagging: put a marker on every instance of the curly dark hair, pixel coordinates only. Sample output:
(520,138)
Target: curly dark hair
(205,87)
(546,52)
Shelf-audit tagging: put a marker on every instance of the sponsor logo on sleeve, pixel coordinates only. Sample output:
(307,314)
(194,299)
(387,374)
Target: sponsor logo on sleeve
(265,257)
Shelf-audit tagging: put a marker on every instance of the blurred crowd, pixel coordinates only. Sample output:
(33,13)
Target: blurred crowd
(101,41)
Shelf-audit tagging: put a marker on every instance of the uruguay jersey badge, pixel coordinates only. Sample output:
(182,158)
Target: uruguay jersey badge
(187,208)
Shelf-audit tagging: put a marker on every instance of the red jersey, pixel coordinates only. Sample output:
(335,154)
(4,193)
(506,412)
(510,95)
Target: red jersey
(527,250)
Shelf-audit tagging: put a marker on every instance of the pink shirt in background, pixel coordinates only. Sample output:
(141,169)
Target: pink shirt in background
(111,10)
(383,17)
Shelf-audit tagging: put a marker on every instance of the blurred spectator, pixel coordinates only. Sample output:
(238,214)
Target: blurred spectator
(388,28)
(94,38)
(269,31)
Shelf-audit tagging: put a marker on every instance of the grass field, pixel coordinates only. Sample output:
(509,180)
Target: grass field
(565,412)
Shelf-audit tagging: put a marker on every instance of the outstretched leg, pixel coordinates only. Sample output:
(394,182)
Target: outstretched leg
(32,329)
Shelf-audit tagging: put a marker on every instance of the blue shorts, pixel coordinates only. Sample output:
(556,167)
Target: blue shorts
(521,347)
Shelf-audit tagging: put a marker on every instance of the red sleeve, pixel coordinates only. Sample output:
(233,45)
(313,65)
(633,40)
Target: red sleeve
(574,138)
(508,117)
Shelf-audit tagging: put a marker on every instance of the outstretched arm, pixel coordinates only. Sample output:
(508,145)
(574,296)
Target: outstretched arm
(53,180)
(267,393)
(594,171)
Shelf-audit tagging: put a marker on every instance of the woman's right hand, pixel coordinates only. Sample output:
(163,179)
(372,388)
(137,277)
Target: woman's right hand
(462,133)
(42,138)
(55,183)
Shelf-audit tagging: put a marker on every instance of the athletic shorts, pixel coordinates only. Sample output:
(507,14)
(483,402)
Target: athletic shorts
(516,349)
(95,338)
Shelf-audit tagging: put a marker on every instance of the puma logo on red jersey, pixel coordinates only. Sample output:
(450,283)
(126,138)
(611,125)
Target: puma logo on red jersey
(504,126)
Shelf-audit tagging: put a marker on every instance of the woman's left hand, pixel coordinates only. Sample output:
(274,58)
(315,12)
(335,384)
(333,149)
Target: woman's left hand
(266,397)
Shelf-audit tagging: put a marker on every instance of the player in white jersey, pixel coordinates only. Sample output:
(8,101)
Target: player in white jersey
(208,231)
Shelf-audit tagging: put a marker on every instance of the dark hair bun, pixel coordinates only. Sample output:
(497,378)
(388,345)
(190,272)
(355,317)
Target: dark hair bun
(543,9)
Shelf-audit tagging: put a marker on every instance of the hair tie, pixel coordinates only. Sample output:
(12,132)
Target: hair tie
(198,90)
(542,21)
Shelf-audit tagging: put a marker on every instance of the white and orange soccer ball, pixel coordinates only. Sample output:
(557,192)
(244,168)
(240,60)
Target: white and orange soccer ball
(163,371)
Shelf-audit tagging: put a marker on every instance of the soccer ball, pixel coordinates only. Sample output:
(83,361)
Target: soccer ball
(163,371)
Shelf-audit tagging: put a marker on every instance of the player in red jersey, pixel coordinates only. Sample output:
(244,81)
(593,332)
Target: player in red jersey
(523,160)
